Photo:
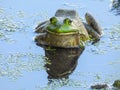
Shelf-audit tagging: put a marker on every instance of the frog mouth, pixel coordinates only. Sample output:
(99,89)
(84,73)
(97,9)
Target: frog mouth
(68,33)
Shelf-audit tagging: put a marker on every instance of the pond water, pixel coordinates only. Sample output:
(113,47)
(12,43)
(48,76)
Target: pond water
(22,61)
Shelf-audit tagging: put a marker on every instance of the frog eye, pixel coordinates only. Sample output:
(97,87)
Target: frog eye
(53,20)
(67,21)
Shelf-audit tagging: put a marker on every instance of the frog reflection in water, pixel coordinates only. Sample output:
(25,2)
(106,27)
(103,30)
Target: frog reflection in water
(63,38)
(61,62)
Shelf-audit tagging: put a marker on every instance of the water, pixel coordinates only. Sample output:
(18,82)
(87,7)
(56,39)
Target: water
(21,62)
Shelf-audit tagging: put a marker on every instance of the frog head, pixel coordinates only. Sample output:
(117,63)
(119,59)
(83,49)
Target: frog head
(59,26)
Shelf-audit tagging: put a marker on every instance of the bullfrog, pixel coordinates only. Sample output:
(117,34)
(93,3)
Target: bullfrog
(66,29)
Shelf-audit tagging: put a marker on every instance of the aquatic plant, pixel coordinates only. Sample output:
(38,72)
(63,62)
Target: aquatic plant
(116,84)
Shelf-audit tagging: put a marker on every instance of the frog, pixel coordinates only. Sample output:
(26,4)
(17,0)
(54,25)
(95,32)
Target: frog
(66,29)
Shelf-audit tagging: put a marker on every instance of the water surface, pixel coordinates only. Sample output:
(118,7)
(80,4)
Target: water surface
(21,62)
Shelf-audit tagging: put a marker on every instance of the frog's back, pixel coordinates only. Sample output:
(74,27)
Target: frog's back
(66,13)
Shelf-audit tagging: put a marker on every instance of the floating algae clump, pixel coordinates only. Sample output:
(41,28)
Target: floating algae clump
(116,84)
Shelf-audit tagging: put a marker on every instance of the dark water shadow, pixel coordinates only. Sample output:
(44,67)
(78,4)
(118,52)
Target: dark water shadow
(116,7)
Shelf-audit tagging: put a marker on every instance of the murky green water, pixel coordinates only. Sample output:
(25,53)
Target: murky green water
(22,63)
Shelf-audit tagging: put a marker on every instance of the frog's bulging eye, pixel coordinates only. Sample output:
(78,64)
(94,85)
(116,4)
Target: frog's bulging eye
(53,20)
(67,21)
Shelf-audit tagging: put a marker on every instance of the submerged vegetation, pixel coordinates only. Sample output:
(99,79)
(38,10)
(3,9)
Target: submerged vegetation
(7,25)
(12,65)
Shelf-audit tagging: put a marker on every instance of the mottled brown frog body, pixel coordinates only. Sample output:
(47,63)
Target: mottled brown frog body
(67,30)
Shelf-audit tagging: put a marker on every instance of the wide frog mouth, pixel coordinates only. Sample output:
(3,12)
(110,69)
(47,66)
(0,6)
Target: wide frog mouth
(61,26)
